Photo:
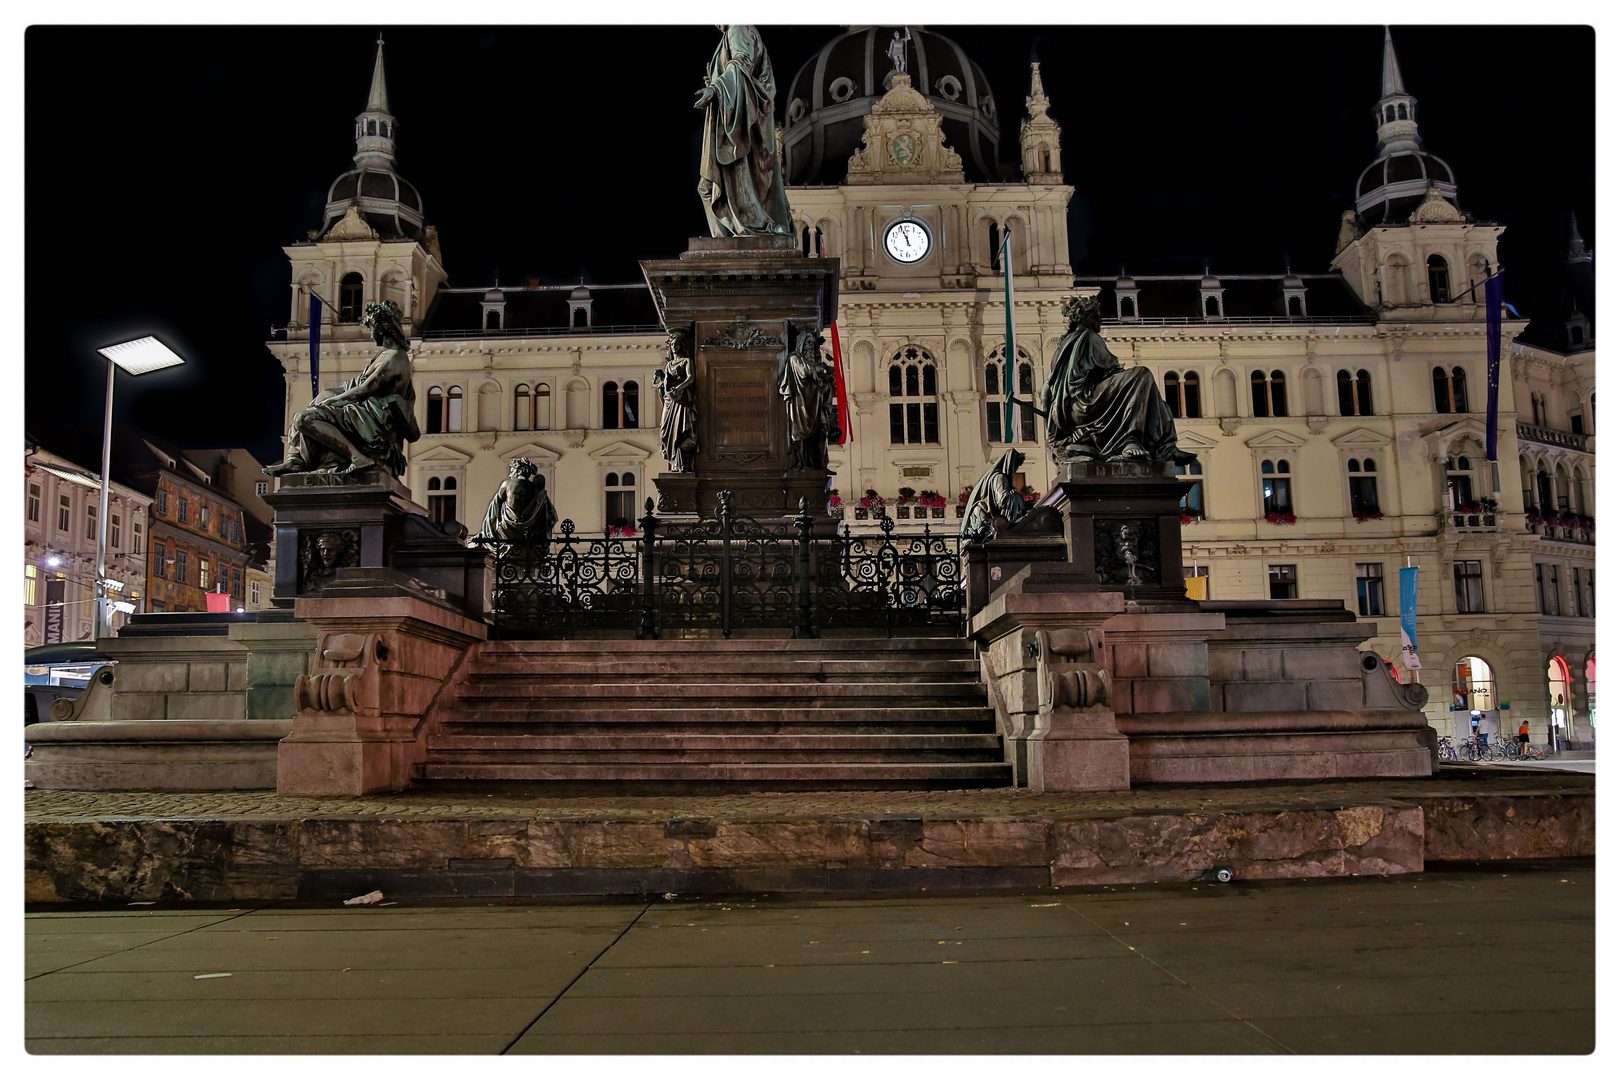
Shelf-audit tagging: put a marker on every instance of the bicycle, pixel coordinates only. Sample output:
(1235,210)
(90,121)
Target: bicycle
(1448,749)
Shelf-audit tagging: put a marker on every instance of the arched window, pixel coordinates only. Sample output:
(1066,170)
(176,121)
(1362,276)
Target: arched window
(1459,391)
(1544,491)
(995,247)
(1192,503)
(610,405)
(542,407)
(452,410)
(1395,284)
(371,127)
(1400,110)
(1389,114)
(1212,307)
(1439,280)
(1558,694)
(1296,307)
(1026,391)
(1270,395)
(1181,394)
(1472,686)
(1363,487)
(630,404)
(1442,390)
(1172,393)
(1355,393)
(435,410)
(1276,487)
(620,405)
(350,299)
(620,507)
(522,409)
(914,394)
(1451,390)
(441,499)
(1127,307)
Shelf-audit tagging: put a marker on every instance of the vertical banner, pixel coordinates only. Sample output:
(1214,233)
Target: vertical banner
(1409,602)
(1012,345)
(1493,357)
(55,598)
(838,381)
(314,345)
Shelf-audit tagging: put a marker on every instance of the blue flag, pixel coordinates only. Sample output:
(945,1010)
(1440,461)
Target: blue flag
(1409,603)
(314,345)
(1493,356)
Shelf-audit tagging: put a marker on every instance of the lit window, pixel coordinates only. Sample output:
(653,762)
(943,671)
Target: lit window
(1276,487)
(33,503)
(203,580)
(1192,503)
(452,410)
(30,584)
(253,593)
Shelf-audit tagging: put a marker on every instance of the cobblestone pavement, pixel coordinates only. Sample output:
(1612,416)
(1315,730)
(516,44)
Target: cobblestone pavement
(1494,960)
(992,804)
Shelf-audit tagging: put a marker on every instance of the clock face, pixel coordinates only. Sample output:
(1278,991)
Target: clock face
(907,241)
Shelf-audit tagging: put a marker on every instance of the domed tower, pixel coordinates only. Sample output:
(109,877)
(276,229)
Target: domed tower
(375,193)
(827,103)
(1393,186)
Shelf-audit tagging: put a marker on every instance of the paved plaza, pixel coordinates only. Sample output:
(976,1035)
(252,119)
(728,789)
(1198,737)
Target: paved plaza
(1466,959)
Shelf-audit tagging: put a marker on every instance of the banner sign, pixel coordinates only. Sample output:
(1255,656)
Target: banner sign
(1409,603)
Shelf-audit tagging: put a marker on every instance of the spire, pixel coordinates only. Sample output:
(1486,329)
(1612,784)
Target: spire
(1577,244)
(377,100)
(1396,112)
(375,126)
(1039,136)
(1392,68)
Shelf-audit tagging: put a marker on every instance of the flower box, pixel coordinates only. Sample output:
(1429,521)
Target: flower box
(1375,515)
(936,511)
(1281,519)
(861,513)
(961,510)
(902,512)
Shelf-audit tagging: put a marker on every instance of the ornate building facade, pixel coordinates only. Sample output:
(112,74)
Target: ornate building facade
(1338,417)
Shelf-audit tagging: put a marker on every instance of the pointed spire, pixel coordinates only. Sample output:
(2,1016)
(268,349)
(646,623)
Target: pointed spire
(1577,243)
(377,100)
(1040,137)
(1392,68)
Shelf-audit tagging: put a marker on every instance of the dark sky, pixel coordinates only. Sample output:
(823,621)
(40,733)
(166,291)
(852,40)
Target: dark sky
(165,167)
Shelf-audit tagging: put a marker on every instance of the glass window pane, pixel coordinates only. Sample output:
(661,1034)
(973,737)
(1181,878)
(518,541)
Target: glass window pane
(931,421)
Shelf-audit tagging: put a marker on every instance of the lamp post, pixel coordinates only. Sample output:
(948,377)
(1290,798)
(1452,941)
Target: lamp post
(137,357)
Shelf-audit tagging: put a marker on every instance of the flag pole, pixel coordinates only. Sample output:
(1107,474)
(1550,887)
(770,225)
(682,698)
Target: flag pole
(1012,345)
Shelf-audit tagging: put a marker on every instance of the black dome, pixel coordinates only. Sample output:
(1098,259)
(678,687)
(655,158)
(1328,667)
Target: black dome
(389,203)
(828,100)
(1392,187)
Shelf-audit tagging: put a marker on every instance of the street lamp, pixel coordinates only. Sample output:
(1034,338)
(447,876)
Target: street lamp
(137,357)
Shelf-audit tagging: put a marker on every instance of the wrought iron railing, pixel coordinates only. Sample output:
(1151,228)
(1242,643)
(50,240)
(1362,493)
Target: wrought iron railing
(725,574)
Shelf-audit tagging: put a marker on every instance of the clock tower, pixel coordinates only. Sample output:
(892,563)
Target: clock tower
(895,173)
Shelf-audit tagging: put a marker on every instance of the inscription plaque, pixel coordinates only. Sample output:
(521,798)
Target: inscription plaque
(741,399)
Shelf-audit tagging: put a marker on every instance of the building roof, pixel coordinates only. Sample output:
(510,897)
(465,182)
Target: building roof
(541,310)
(1391,189)
(384,200)
(1246,298)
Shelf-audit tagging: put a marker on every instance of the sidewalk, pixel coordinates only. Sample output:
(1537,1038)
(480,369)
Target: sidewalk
(1325,967)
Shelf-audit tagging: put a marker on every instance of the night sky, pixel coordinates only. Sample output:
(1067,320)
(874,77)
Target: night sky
(166,167)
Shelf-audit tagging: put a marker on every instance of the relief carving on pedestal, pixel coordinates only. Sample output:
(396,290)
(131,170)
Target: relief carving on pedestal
(321,552)
(1127,551)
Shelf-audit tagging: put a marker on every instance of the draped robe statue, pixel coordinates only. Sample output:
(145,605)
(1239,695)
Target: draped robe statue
(676,385)
(739,175)
(365,423)
(809,393)
(1098,410)
(995,495)
(521,510)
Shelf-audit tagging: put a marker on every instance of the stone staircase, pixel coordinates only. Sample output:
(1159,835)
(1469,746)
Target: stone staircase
(752,713)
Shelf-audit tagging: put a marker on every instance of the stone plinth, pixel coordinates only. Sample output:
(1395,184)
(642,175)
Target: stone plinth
(155,755)
(277,654)
(325,523)
(386,649)
(745,300)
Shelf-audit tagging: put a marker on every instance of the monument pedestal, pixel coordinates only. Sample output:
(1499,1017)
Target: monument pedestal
(745,300)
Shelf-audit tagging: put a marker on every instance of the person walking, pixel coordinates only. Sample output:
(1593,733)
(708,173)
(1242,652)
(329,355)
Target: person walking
(1524,737)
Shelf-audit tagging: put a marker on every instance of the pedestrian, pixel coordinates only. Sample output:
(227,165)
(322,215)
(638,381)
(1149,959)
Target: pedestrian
(1524,737)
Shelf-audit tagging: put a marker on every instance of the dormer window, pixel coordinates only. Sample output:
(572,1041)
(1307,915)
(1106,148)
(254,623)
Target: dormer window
(1210,297)
(1126,294)
(579,309)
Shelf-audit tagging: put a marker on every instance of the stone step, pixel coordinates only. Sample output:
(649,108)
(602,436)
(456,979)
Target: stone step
(945,646)
(729,749)
(869,695)
(884,776)
(668,722)
(676,670)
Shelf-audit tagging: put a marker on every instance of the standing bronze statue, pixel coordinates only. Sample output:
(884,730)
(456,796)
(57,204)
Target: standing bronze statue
(521,510)
(1096,409)
(996,495)
(369,421)
(739,175)
(809,393)
(676,386)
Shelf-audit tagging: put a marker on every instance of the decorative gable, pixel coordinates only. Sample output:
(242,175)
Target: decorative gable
(619,450)
(536,453)
(903,142)
(1361,439)
(1275,439)
(1192,442)
(441,455)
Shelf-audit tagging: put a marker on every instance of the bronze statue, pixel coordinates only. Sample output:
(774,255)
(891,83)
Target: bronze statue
(677,425)
(1096,409)
(810,395)
(369,421)
(996,495)
(739,173)
(521,510)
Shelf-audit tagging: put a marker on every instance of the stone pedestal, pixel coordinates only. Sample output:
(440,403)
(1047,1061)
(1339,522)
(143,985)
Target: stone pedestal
(278,653)
(386,650)
(325,523)
(745,300)
(1122,526)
